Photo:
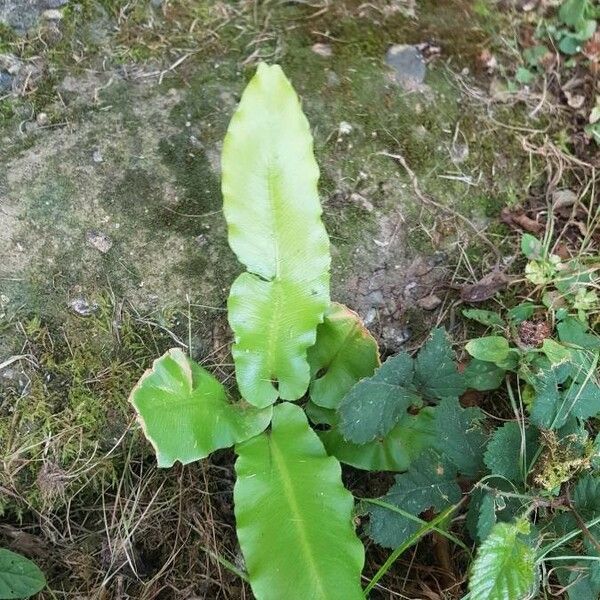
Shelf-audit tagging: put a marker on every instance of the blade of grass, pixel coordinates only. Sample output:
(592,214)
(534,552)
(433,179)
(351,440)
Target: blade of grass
(413,539)
(421,522)
(226,563)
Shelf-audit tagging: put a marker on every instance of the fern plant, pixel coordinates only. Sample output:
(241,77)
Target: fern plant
(531,485)
(293,514)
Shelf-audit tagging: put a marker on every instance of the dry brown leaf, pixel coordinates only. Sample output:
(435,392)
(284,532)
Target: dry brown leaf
(517,218)
(485,288)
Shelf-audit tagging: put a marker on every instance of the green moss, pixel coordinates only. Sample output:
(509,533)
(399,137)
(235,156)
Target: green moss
(54,438)
(195,176)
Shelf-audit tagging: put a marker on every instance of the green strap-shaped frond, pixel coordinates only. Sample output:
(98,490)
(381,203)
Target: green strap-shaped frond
(185,413)
(272,208)
(344,353)
(293,515)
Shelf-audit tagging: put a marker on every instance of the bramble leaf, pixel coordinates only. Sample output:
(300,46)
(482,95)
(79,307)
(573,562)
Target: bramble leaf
(483,376)
(573,331)
(460,436)
(185,413)
(508,454)
(293,515)
(430,482)
(19,576)
(436,374)
(486,518)
(504,568)
(394,452)
(553,405)
(344,353)
(271,205)
(580,585)
(374,405)
(586,499)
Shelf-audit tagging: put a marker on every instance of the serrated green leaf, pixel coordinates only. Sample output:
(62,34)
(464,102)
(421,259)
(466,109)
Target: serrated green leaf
(374,405)
(460,436)
(595,458)
(573,331)
(504,568)
(586,498)
(293,515)
(19,576)
(185,413)
(486,518)
(344,353)
(573,12)
(437,357)
(430,482)
(493,348)
(394,452)
(549,410)
(524,75)
(271,204)
(483,376)
(485,317)
(553,405)
(530,246)
(580,585)
(508,454)
(583,399)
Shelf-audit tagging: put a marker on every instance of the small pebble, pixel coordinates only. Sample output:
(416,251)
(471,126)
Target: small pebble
(52,14)
(99,240)
(82,307)
(429,302)
(323,50)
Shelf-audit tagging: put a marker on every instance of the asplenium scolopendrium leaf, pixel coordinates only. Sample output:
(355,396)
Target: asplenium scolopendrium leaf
(185,412)
(504,568)
(271,204)
(430,482)
(19,577)
(293,515)
(344,353)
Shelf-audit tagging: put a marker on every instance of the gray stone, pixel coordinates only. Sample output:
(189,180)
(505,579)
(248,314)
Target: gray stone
(54,3)
(82,307)
(429,302)
(99,240)
(408,66)
(52,14)
(6,81)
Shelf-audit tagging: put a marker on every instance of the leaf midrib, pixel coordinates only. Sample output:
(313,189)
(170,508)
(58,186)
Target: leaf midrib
(296,515)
